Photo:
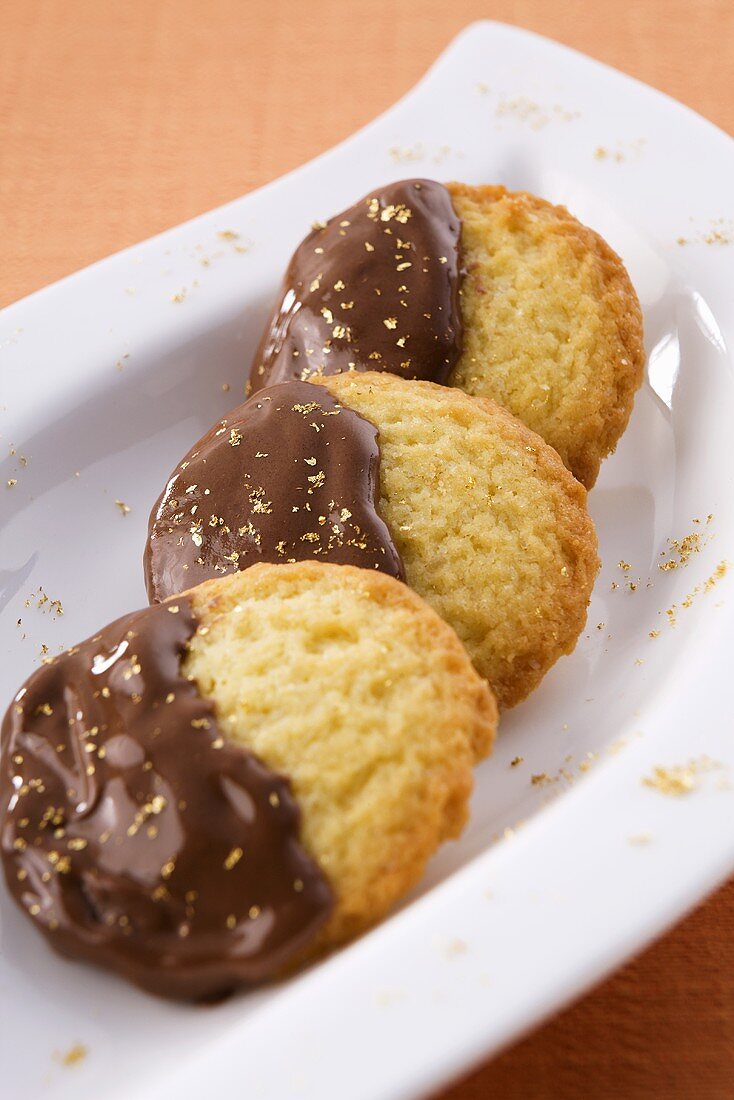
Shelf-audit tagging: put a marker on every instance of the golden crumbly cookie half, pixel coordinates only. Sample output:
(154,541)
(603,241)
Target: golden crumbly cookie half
(214,789)
(552,327)
(346,682)
(492,529)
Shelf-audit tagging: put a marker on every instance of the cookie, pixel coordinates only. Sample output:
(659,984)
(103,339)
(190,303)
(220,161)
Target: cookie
(497,293)
(491,528)
(552,328)
(216,788)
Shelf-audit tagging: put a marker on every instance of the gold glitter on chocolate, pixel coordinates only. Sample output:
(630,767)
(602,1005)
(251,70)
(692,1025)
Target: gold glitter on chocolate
(375,288)
(135,836)
(289,475)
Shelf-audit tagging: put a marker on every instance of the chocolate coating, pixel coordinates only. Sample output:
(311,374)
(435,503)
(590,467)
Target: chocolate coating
(135,835)
(291,474)
(376,288)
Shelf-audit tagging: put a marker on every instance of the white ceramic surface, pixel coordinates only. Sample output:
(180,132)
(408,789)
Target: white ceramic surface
(105,380)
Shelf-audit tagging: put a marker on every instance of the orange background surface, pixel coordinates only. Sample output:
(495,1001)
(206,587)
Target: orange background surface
(119,120)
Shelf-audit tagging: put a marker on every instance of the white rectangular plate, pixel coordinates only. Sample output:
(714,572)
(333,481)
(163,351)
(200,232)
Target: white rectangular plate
(107,377)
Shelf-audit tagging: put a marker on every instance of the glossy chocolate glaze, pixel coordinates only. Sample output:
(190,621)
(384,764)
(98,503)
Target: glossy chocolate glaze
(136,836)
(289,475)
(375,288)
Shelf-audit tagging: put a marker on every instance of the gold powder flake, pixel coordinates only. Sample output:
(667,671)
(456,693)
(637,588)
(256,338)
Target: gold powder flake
(674,781)
(235,437)
(390,322)
(124,508)
(640,840)
(454,948)
(75,1054)
(399,211)
(624,566)
(720,232)
(685,548)
(586,764)
(408,154)
(228,235)
(250,529)
(526,111)
(718,574)
(259,504)
(11,482)
(168,868)
(516,760)
(233,859)
(180,295)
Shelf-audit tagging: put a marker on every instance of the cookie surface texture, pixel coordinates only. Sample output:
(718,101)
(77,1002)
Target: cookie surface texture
(492,529)
(552,324)
(346,682)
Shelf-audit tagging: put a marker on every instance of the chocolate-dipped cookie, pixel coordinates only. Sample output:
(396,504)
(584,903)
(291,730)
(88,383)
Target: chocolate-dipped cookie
(212,790)
(500,294)
(481,515)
